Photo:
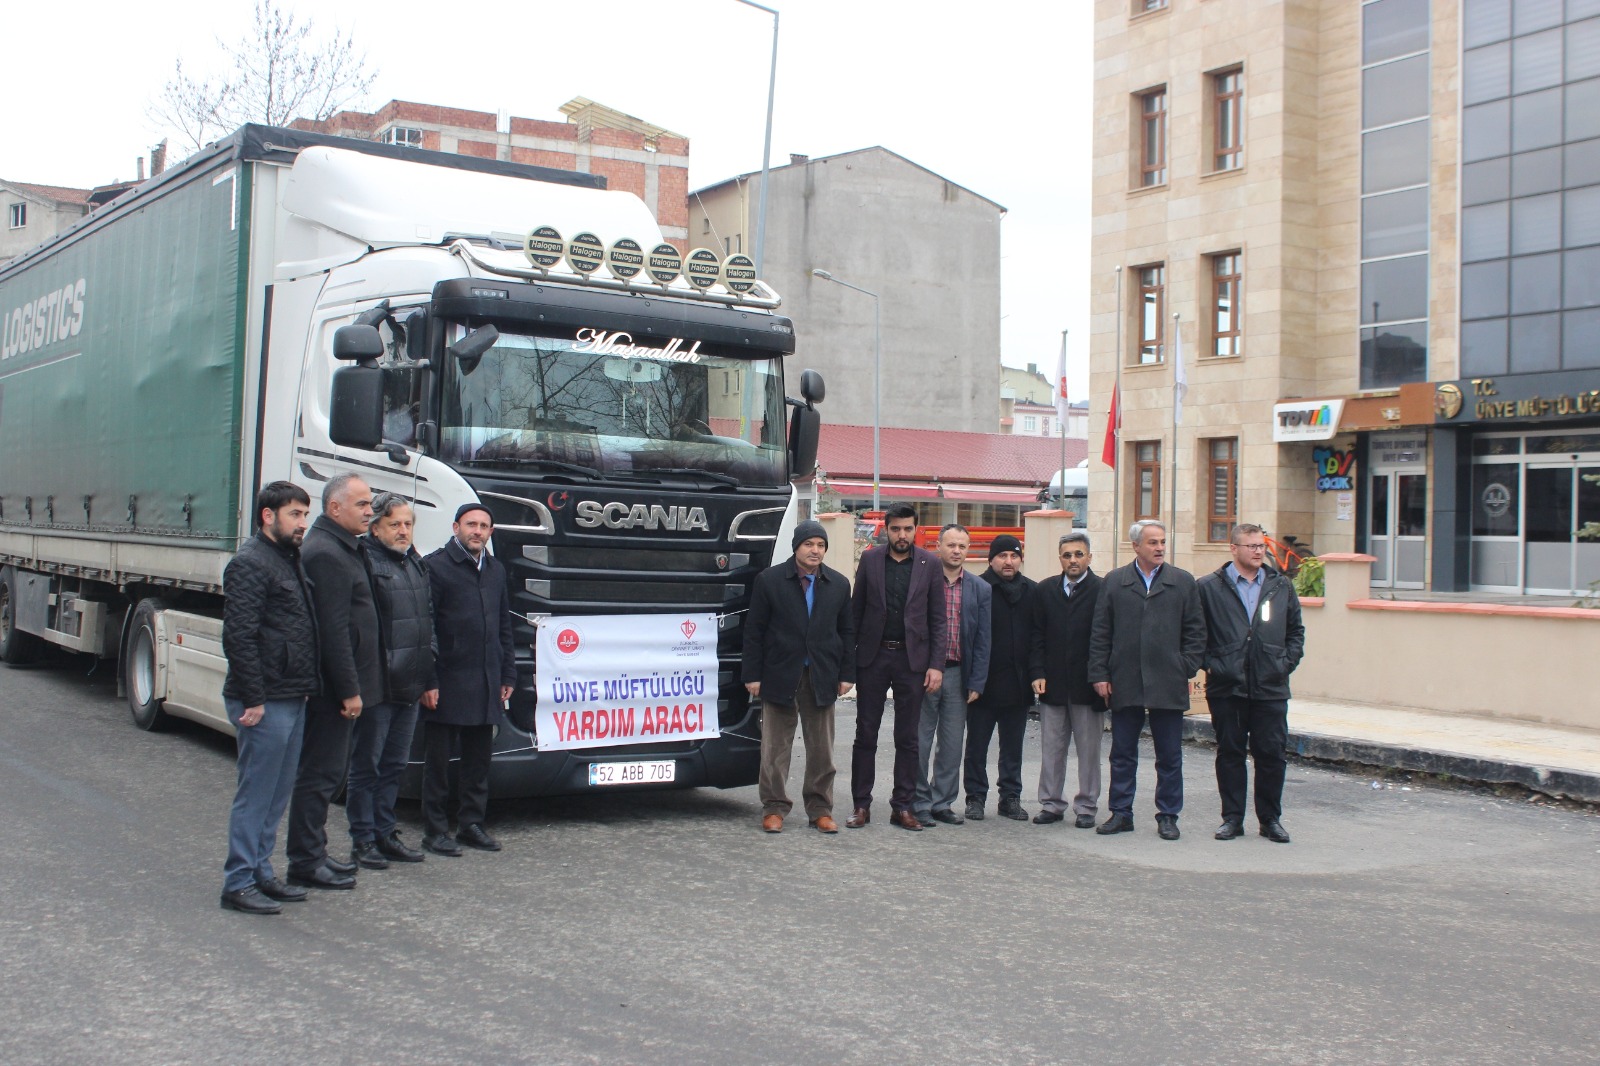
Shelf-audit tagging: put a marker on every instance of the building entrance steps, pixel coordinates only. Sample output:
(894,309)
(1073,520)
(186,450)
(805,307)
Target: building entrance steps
(1557,760)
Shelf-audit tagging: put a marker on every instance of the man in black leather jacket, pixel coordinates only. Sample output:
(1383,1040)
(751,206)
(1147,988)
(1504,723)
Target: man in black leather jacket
(383,732)
(1254,641)
(269,635)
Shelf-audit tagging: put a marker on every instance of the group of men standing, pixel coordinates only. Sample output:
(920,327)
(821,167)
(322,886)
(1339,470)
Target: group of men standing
(966,653)
(337,638)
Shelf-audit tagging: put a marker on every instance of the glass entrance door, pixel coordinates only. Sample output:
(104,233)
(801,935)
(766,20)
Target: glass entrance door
(1562,548)
(1397,528)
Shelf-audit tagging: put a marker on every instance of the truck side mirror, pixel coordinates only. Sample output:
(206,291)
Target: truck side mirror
(805,426)
(812,387)
(355,417)
(357,343)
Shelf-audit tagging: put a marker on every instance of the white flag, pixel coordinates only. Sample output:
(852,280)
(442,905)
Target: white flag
(1062,406)
(1180,377)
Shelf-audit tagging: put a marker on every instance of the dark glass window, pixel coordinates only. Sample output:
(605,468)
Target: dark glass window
(1485,21)
(1583,110)
(1582,9)
(1582,278)
(1483,290)
(1394,223)
(1536,224)
(1394,355)
(1536,284)
(1536,172)
(1486,131)
(1536,120)
(1486,74)
(1394,290)
(1535,343)
(1549,506)
(1497,446)
(1583,217)
(1483,347)
(1583,50)
(1582,164)
(1580,339)
(1485,231)
(1495,491)
(1394,92)
(1536,61)
(1486,181)
(1392,28)
(1395,158)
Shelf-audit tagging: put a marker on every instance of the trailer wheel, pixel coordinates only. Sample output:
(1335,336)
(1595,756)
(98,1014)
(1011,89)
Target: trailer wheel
(16,647)
(139,668)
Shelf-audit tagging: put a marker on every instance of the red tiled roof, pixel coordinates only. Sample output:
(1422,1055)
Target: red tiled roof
(923,454)
(58,193)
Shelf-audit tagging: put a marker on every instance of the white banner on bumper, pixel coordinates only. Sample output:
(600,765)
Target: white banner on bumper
(605,680)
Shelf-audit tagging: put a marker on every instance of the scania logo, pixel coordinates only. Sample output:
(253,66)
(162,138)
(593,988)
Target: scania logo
(617,515)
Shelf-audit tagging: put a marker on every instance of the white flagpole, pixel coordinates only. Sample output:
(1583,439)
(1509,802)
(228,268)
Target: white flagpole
(1062,407)
(1116,436)
(1180,386)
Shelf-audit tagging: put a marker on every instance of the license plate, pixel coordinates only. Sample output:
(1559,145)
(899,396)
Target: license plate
(632,773)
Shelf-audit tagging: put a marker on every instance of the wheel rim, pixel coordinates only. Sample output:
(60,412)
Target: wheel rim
(142,672)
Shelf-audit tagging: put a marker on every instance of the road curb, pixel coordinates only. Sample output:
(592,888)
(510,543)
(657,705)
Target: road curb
(1572,784)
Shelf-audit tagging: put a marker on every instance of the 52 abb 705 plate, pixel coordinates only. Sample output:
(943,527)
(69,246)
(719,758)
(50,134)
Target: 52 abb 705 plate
(633,773)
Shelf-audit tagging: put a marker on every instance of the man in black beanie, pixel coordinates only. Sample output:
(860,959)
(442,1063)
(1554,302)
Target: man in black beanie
(799,658)
(1007,696)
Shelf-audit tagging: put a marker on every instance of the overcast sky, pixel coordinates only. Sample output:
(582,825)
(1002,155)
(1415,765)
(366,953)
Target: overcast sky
(994,96)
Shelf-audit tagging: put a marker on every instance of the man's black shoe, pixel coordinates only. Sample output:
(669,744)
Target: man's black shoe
(1011,808)
(1275,832)
(276,889)
(1229,831)
(924,819)
(1085,821)
(1047,817)
(474,836)
(1167,826)
(441,844)
(250,901)
(339,866)
(392,847)
(974,810)
(1117,823)
(365,853)
(323,876)
(948,817)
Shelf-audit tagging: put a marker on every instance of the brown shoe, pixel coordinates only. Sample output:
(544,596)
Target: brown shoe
(825,824)
(772,823)
(858,818)
(905,820)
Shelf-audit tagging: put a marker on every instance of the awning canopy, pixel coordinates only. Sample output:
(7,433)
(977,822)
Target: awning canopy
(964,493)
(989,494)
(917,491)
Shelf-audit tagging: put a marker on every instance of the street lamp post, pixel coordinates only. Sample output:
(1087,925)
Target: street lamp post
(877,378)
(766,150)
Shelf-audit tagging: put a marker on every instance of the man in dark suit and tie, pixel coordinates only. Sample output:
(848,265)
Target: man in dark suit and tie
(899,611)
(799,658)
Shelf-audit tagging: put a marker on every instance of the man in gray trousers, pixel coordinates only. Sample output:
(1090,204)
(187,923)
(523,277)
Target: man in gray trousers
(1061,614)
(941,731)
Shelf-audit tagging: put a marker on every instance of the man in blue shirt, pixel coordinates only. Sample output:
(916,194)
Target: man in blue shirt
(1254,640)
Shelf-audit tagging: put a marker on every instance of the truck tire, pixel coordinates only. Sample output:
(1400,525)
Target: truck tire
(139,668)
(16,647)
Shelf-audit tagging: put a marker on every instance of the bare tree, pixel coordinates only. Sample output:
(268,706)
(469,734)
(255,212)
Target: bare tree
(278,72)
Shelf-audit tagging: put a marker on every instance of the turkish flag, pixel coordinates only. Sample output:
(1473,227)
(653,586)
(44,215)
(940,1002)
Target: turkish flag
(1108,454)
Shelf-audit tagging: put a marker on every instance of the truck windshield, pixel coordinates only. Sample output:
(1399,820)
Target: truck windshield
(603,405)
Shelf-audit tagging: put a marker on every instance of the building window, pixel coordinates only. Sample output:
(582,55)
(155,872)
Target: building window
(1227,92)
(19,216)
(705,224)
(1030,424)
(1140,7)
(1147,479)
(1227,315)
(407,136)
(1152,302)
(1222,482)
(1153,137)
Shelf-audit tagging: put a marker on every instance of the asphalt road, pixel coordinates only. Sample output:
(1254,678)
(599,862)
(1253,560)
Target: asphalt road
(1423,926)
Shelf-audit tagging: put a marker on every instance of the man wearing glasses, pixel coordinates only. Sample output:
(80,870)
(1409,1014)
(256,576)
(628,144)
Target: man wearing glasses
(1254,641)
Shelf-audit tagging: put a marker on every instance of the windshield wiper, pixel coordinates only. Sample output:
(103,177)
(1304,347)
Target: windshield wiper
(688,471)
(543,464)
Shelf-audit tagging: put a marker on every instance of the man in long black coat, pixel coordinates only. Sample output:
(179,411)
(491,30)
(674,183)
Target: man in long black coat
(799,658)
(1003,704)
(477,668)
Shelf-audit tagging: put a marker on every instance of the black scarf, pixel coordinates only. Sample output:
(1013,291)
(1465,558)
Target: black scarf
(1011,590)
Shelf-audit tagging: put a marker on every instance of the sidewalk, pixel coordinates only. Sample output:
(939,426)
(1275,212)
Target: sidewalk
(1550,759)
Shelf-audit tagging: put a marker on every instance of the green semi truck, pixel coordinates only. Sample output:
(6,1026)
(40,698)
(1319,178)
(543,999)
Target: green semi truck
(512,335)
